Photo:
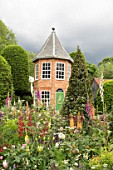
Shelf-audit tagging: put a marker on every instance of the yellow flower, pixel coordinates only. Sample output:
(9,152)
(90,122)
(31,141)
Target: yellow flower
(40,148)
(27,139)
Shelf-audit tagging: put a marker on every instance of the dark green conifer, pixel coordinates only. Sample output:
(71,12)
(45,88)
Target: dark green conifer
(79,87)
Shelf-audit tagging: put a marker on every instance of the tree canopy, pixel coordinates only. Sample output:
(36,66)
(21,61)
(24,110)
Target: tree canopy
(106,66)
(7,37)
(91,68)
(18,60)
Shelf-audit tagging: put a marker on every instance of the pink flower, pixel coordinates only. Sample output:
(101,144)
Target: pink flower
(13,146)
(5,164)
(23,146)
(1,157)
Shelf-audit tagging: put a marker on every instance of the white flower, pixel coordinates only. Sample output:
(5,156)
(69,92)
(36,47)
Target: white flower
(37,124)
(65,161)
(56,145)
(61,129)
(76,164)
(71,168)
(93,167)
(61,136)
(105,165)
(85,155)
(4,147)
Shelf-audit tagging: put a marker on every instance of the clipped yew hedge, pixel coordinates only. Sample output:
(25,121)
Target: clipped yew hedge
(108,97)
(5,80)
(18,60)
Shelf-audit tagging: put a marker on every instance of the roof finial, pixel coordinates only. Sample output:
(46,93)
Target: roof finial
(53,28)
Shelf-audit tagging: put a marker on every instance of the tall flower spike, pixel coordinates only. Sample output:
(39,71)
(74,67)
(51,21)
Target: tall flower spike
(101,88)
(71,122)
(79,122)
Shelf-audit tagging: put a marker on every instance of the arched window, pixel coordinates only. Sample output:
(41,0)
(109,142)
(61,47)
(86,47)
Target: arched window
(59,90)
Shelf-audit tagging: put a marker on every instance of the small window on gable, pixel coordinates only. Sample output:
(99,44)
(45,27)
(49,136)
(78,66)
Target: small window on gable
(60,71)
(69,71)
(46,70)
(36,72)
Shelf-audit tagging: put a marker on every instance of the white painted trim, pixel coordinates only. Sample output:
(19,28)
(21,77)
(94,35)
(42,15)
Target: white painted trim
(35,71)
(69,65)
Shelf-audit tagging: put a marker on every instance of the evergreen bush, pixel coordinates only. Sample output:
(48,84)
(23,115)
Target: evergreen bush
(79,87)
(18,60)
(5,80)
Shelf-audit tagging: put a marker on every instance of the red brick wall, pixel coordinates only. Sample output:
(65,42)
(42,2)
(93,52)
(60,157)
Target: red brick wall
(52,84)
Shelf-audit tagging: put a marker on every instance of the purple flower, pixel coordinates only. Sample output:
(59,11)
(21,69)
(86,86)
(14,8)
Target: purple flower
(1,114)
(88,108)
(38,94)
(8,101)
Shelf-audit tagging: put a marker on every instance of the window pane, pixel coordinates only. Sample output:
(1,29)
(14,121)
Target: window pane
(60,71)
(46,70)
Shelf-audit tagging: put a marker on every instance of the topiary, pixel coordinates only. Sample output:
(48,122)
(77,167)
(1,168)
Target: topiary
(5,80)
(18,60)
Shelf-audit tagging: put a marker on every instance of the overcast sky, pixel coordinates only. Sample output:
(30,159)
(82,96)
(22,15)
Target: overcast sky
(87,23)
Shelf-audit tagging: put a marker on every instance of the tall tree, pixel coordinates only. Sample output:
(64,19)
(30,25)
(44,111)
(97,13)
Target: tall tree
(79,87)
(5,80)
(18,60)
(92,69)
(6,36)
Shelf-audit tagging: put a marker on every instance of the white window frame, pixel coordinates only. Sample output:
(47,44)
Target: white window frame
(69,71)
(35,98)
(60,71)
(36,71)
(46,70)
(45,98)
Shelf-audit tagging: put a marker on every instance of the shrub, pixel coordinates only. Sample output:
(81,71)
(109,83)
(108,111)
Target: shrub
(18,60)
(5,80)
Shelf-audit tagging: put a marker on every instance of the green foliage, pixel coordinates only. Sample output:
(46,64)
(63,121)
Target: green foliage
(31,64)
(7,37)
(108,97)
(103,161)
(106,66)
(92,70)
(46,142)
(18,60)
(79,87)
(5,80)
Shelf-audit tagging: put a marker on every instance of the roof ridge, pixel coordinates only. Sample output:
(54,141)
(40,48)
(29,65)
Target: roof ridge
(52,48)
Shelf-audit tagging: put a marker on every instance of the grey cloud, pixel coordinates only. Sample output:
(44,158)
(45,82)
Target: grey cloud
(88,24)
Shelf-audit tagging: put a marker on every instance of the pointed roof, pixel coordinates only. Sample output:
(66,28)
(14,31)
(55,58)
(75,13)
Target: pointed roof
(53,49)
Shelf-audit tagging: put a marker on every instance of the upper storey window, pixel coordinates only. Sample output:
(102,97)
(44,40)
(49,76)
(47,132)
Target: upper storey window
(36,72)
(60,70)
(46,70)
